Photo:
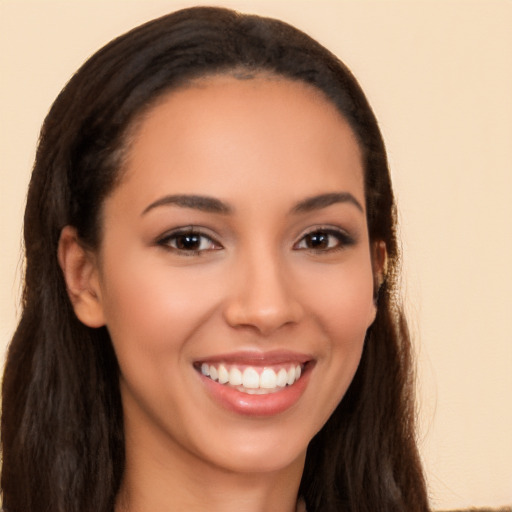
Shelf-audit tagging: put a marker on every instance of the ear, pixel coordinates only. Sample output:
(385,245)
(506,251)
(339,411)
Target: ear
(380,265)
(81,275)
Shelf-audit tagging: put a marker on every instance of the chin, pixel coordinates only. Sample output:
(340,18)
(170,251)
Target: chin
(264,452)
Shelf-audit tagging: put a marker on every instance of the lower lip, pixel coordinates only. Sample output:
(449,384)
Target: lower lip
(257,405)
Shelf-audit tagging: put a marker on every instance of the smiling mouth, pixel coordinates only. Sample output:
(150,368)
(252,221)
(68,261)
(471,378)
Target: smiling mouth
(253,380)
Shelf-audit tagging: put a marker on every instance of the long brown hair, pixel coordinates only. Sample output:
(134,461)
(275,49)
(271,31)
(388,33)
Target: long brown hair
(62,428)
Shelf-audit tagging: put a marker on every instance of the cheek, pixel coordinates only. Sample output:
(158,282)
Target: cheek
(342,300)
(157,307)
(342,305)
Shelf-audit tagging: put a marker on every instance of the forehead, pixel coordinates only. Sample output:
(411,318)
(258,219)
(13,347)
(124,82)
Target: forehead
(260,132)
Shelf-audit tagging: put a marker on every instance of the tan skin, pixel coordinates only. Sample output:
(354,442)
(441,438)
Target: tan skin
(179,282)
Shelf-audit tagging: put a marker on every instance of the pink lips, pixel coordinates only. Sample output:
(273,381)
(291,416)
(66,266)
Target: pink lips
(268,404)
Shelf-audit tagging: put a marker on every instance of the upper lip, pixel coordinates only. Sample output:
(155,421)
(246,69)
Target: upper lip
(258,358)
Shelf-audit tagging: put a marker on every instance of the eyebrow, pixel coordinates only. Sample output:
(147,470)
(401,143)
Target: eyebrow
(213,205)
(324,200)
(203,203)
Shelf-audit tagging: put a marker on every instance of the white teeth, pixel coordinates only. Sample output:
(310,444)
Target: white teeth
(282,378)
(214,374)
(235,377)
(268,379)
(259,391)
(223,374)
(250,380)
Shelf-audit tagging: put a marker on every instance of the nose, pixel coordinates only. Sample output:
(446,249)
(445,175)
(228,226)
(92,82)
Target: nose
(262,295)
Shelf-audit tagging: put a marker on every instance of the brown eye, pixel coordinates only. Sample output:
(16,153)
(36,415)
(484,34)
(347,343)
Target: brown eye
(318,240)
(190,242)
(324,240)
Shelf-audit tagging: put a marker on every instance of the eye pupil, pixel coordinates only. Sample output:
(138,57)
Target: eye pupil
(189,242)
(318,240)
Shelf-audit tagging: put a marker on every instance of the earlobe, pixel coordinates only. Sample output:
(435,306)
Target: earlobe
(379,257)
(380,266)
(81,275)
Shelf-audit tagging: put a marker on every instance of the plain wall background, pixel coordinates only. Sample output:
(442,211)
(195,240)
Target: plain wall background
(439,76)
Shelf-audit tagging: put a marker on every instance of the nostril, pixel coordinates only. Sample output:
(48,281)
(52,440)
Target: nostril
(263,319)
(263,294)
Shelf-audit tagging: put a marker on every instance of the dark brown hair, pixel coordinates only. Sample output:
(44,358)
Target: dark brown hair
(62,428)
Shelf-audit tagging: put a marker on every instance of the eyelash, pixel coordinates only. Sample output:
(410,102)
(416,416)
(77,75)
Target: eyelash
(169,241)
(342,240)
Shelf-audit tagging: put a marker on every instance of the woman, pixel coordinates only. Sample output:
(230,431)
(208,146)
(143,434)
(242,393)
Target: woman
(210,310)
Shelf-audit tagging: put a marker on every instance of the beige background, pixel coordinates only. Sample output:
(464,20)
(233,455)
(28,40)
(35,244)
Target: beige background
(439,75)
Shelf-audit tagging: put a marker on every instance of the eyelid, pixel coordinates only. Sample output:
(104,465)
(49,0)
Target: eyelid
(163,240)
(344,238)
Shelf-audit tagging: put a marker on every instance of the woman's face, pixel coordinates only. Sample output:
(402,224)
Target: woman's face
(235,256)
